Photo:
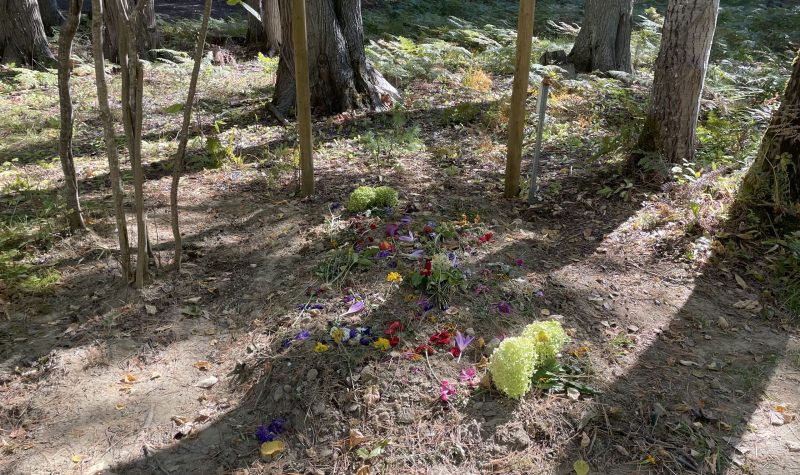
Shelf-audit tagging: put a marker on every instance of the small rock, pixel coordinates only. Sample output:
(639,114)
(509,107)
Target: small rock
(722,323)
(491,346)
(470,331)
(633,328)
(776,419)
(278,394)
(208,382)
(312,374)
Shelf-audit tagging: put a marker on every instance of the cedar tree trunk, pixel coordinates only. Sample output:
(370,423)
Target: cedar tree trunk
(51,15)
(147,34)
(680,70)
(774,177)
(340,76)
(604,42)
(271,21)
(65,105)
(22,38)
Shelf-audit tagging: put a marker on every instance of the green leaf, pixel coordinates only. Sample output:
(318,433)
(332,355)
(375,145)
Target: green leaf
(581,467)
(362,453)
(177,107)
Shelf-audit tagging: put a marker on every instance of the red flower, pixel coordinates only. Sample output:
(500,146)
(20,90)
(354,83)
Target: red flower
(485,238)
(394,327)
(423,349)
(394,341)
(385,246)
(455,351)
(427,270)
(373,226)
(440,338)
(427,229)
(370,238)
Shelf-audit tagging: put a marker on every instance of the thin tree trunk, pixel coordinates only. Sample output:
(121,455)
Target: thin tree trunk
(132,86)
(74,215)
(51,15)
(604,41)
(774,178)
(271,20)
(341,78)
(148,37)
(187,117)
(255,26)
(108,133)
(22,37)
(680,70)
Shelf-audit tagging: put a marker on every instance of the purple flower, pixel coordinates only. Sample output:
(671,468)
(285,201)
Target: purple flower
(468,375)
(504,307)
(539,294)
(365,341)
(303,335)
(277,426)
(409,238)
(353,333)
(519,262)
(384,254)
(286,343)
(406,220)
(264,435)
(418,254)
(453,258)
(463,341)
(424,305)
(392,265)
(388,210)
(355,308)
(432,224)
(391,230)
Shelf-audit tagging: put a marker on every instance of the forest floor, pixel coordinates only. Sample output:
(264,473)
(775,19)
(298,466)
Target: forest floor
(683,356)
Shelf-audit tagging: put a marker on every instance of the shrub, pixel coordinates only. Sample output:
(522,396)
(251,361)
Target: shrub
(478,80)
(511,366)
(385,196)
(360,199)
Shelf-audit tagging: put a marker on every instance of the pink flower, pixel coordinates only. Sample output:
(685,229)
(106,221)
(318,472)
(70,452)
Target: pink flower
(481,289)
(468,376)
(447,390)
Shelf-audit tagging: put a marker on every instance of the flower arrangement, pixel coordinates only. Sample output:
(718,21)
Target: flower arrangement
(439,278)
(512,364)
(548,336)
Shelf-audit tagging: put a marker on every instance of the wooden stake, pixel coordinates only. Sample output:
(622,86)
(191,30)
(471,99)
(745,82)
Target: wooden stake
(300,41)
(519,94)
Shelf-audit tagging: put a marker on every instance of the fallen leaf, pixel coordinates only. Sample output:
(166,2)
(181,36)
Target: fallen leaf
(741,282)
(722,323)
(581,467)
(269,449)
(355,438)
(129,378)
(76,459)
(119,407)
(363,470)
(584,440)
(573,393)
(372,395)
(150,309)
(202,365)
(689,363)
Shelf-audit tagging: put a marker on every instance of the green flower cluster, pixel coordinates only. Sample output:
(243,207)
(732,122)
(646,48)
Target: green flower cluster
(513,362)
(548,336)
(367,197)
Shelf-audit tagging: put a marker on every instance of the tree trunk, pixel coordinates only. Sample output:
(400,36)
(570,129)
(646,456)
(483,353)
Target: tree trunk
(22,38)
(108,135)
(340,76)
(271,20)
(51,15)
(604,42)
(774,177)
(255,26)
(680,70)
(146,28)
(65,105)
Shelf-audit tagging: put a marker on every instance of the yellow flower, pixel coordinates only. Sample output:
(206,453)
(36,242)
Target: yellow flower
(382,344)
(337,335)
(321,347)
(409,298)
(394,277)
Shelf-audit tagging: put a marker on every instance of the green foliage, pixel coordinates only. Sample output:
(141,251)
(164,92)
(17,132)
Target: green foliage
(442,280)
(512,364)
(181,34)
(361,199)
(462,113)
(339,264)
(385,197)
(386,147)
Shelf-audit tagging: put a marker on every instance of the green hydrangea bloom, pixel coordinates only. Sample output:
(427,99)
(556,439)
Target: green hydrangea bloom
(360,199)
(511,366)
(385,197)
(549,338)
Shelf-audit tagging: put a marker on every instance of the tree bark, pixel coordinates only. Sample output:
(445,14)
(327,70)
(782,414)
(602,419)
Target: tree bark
(51,15)
(22,37)
(74,215)
(680,70)
(184,137)
(604,41)
(774,178)
(108,134)
(255,26)
(266,33)
(131,72)
(340,76)
(147,35)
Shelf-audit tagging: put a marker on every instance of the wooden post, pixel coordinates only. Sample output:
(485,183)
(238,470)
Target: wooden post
(300,41)
(519,94)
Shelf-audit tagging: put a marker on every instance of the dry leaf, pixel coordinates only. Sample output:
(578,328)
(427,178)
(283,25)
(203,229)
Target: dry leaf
(202,365)
(372,395)
(355,438)
(584,440)
(119,407)
(129,379)
(150,309)
(269,449)
(363,470)
(741,282)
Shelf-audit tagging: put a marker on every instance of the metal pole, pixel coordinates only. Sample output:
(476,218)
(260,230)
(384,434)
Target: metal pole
(300,43)
(539,129)
(519,93)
